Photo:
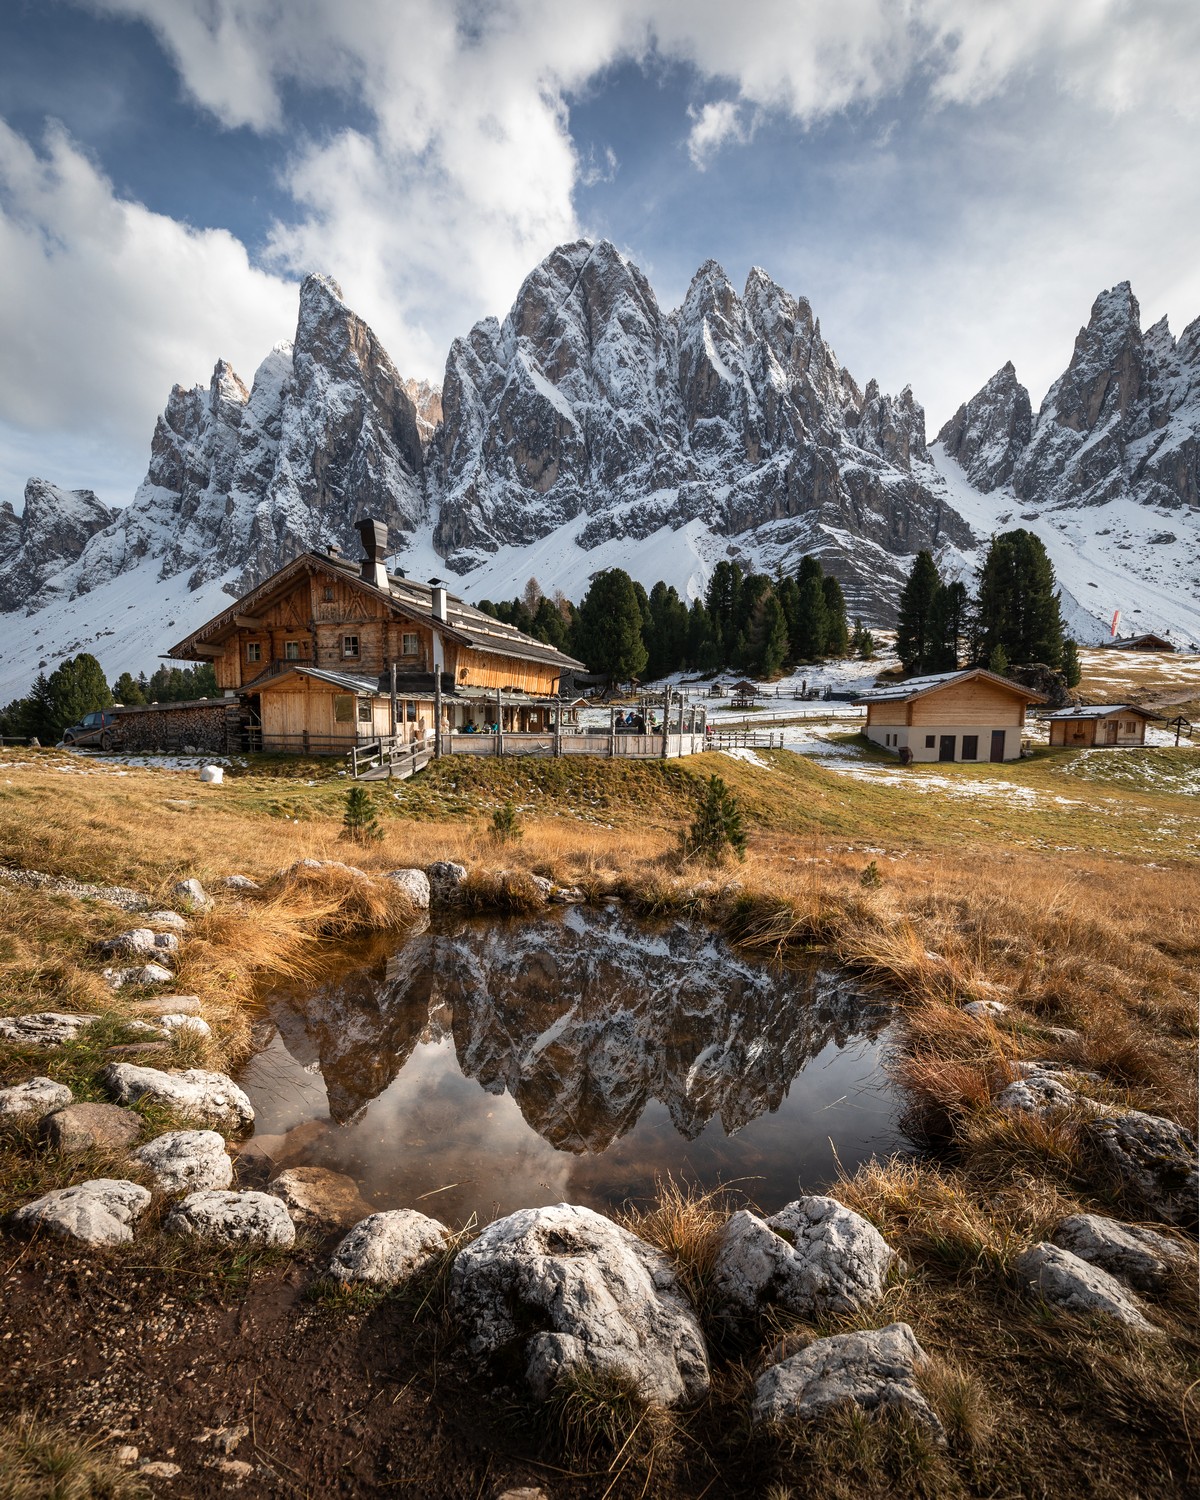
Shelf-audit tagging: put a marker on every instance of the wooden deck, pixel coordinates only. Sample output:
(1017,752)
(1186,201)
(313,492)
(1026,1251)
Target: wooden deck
(387,758)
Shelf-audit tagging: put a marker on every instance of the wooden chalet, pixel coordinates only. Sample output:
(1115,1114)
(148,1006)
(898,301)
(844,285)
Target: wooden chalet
(1100,724)
(327,654)
(970,715)
(1148,641)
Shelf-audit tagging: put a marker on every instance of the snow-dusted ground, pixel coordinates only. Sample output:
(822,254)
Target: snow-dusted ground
(1108,557)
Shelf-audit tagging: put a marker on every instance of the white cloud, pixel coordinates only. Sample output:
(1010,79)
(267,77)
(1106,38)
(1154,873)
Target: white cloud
(105,305)
(714,126)
(463,171)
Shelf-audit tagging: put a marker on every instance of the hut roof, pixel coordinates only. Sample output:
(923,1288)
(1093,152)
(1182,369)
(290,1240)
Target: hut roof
(919,687)
(1101,711)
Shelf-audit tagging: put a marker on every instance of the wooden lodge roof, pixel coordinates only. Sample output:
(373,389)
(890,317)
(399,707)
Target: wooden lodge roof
(406,597)
(1101,711)
(1149,641)
(921,687)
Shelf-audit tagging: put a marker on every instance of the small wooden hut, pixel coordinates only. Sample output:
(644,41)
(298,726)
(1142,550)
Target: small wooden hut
(1101,724)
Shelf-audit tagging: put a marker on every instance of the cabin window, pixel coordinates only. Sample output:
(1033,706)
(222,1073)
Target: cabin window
(970,747)
(364,710)
(350,645)
(328,594)
(343,709)
(930,742)
(410,643)
(410,712)
(253,651)
(291,650)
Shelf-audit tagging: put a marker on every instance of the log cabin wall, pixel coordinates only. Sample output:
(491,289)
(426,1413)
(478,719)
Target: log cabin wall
(974,702)
(489,670)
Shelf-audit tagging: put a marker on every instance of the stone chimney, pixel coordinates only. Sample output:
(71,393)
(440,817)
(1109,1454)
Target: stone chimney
(374,539)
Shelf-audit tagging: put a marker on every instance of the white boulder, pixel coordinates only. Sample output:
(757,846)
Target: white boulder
(814,1258)
(1067,1282)
(33,1100)
(233,1219)
(212,775)
(1155,1160)
(142,974)
(985,1010)
(388,1248)
(574,1293)
(167,921)
(1138,1256)
(239,883)
(873,1370)
(176,1020)
(45,1028)
(142,942)
(209,1097)
(186,1161)
(445,877)
(98,1212)
(414,884)
(192,894)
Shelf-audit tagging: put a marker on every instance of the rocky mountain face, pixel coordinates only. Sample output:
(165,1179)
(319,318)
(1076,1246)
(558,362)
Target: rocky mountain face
(599,429)
(1122,421)
(50,533)
(242,480)
(591,404)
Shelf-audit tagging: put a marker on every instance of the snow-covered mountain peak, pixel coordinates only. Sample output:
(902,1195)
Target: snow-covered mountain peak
(988,433)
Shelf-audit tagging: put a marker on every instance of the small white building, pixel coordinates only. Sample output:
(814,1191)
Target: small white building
(969,715)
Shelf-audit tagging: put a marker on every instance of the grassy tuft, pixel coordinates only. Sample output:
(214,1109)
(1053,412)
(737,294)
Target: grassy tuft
(42,1461)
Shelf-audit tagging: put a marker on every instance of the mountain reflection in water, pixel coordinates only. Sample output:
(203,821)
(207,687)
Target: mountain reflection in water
(494,1064)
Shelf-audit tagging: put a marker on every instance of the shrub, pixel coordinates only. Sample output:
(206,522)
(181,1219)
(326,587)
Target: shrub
(718,826)
(359,822)
(506,824)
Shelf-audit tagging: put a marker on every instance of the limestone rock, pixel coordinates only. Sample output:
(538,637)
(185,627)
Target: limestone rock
(874,1370)
(45,1028)
(567,895)
(32,1100)
(388,1248)
(319,1199)
(1139,1256)
(142,974)
(98,1212)
(985,1010)
(167,921)
(142,942)
(233,1219)
(1042,1088)
(1155,1159)
(576,1293)
(201,1095)
(192,894)
(414,884)
(175,1021)
(239,883)
(445,877)
(814,1258)
(1067,1282)
(84,1127)
(187,1161)
(166,1005)
(159,1468)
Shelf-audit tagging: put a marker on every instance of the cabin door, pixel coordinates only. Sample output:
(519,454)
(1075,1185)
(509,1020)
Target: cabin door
(1110,732)
(997,745)
(946,747)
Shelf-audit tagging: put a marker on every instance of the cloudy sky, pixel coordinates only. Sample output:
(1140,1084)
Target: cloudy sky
(950,182)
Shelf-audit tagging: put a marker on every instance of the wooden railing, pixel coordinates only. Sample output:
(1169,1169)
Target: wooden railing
(390,756)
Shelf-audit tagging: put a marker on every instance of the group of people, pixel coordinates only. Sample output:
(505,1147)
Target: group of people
(470,727)
(631,723)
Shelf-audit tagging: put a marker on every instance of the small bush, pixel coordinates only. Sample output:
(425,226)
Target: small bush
(506,824)
(718,826)
(870,877)
(359,821)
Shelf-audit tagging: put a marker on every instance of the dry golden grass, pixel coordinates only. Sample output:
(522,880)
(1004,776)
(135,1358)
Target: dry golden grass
(44,1461)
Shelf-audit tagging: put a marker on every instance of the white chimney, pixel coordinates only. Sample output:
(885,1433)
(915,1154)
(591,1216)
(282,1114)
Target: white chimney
(439,601)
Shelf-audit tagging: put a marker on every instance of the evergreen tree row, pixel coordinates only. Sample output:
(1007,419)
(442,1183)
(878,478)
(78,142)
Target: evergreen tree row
(77,686)
(749,622)
(1015,619)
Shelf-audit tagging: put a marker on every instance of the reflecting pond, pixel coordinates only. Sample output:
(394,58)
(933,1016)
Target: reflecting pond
(485,1065)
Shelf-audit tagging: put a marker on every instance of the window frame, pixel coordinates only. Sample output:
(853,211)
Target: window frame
(365,713)
(291,650)
(254,651)
(415,637)
(347,653)
(343,708)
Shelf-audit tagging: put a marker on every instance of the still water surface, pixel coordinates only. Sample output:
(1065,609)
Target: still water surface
(488,1065)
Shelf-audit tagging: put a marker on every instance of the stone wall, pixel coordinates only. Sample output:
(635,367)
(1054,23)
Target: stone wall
(205,724)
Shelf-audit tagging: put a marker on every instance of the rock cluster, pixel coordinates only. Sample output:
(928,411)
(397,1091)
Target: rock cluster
(200,1095)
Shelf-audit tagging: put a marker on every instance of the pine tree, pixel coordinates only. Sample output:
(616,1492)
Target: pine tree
(914,630)
(359,821)
(609,628)
(998,661)
(948,627)
(549,625)
(506,824)
(1072,667)
(837,633)
(666,631)
(127,690)
(768,637)
(812,621)
(718,825)
(724,602)
(703,651)
(1018,605)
